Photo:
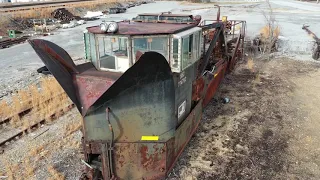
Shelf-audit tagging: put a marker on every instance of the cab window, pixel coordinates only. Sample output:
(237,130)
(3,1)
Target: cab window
(187,48)
(113,53)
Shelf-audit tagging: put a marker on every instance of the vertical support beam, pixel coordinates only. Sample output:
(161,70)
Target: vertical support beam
(233,24)
(105,162)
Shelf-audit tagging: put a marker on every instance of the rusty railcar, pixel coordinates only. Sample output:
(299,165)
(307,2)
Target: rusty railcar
(143,90)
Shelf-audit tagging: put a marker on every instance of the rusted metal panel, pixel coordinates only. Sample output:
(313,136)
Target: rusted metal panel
(170,152)
(140,160)
(105,161)
(139,28)
(214,81)
(197,89)
(90,88)
(93,148)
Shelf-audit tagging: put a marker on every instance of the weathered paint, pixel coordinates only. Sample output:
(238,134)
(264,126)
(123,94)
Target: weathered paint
(140,160)
(197,89)
(91,88)
(214,82)
(142,102)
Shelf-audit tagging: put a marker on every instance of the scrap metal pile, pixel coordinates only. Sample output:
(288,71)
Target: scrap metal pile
(64,15)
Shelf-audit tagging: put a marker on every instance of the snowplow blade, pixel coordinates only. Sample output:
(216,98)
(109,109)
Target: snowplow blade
(60,64)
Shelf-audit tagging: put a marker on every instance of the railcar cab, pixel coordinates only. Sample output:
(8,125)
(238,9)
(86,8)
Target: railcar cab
(116,46)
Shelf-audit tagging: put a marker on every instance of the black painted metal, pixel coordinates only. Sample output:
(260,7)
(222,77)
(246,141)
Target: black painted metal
(61,67)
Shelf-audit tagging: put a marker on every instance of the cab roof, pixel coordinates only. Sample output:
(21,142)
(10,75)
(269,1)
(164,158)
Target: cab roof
(142,28)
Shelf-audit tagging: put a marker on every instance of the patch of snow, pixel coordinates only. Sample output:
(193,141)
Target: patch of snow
(92,14)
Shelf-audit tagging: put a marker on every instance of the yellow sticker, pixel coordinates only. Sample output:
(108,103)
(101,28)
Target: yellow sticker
(215,75)
(149,138)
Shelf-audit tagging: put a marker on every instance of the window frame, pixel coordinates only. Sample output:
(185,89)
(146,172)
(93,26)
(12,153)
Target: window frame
(97,49)
(172,60)
(194,56)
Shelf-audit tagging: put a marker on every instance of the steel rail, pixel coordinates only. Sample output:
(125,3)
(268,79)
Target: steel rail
(35,125)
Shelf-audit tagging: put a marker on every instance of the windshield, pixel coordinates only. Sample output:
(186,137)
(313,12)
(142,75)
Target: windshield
(157,44)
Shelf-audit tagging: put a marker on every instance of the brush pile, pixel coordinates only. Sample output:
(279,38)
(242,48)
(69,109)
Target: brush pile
(64,15)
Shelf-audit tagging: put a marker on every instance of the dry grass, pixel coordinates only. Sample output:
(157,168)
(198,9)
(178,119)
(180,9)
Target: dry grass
(3,24)
(71,128)
(266,32)
(5,109)
(45,101)
(27,165)
(43,152)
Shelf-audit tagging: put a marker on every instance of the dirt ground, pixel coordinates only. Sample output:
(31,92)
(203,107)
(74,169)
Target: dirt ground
(268,130)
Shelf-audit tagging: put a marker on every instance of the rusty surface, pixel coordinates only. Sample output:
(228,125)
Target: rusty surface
(197,89)
(140,28)
(140,160)
(105,161)
(235,54)
(215,82)
(90,88)
(93,148)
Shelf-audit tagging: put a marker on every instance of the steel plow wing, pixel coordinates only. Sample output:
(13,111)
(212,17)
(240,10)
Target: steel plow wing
(60,64)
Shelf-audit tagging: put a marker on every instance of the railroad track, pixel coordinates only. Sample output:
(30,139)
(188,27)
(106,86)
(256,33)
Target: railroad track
(42,5)
(10,134)
(10,42)
(26,110)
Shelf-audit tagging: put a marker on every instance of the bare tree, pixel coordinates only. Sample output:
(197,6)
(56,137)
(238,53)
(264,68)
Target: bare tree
(270,36)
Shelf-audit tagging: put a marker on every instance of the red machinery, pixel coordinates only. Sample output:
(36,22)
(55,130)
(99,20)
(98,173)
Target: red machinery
(143,92)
